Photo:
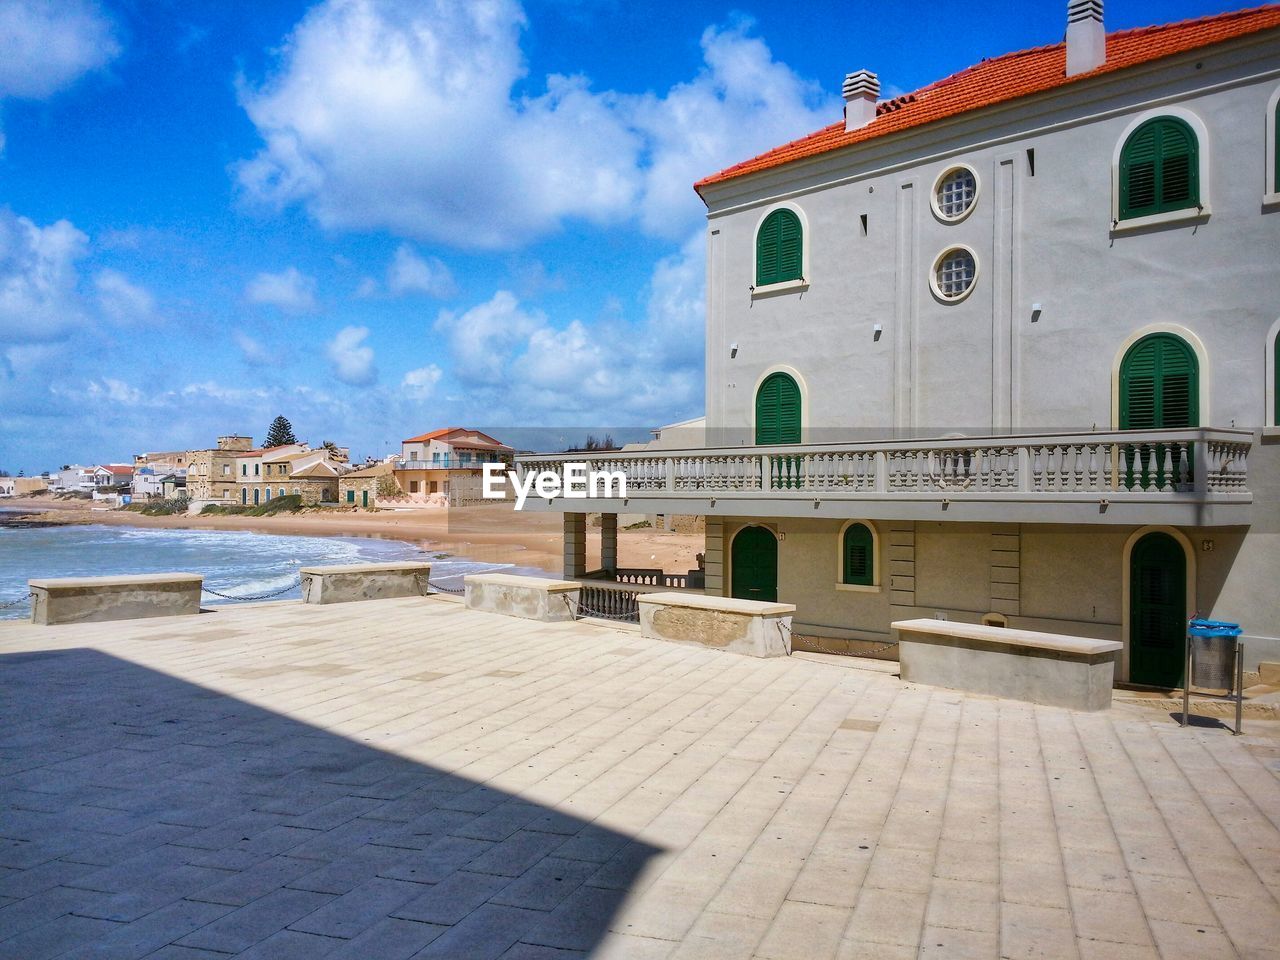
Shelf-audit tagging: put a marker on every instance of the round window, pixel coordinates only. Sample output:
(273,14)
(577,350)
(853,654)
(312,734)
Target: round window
(954,273)
(955,193)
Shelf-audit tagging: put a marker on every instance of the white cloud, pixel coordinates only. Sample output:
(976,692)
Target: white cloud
(45,46)
(114,391)
(483,337)
(411,273)
(352,359)
(366,288)
(252,351)
(122,300)
(421,383)
(291,290)
(402,116)
(39,299)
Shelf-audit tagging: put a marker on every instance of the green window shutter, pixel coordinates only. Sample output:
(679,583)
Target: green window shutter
(1275,183)
(1159,384)
(1275,369)
(779,248)
(778,410)
(1159,169)
(858,551)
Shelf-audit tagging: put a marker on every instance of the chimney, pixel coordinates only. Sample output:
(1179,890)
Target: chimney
(1086,36)
(860,92)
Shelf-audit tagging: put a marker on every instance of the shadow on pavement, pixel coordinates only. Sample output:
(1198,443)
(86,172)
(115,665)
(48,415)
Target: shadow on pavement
(138,810)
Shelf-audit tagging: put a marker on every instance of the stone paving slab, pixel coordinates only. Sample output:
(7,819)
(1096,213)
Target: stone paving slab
(428,781)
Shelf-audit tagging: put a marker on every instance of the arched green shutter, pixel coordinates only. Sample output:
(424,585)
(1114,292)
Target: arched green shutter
(778,410)
(1159,169)
(1159,384)
(779,248)
(859,555)
(1275,370)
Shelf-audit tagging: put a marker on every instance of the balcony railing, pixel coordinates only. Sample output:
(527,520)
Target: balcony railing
(1188,466)
(446,463)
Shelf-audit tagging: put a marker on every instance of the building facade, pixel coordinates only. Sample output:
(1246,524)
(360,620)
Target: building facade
(211,474)
(1002,350)
(435,462)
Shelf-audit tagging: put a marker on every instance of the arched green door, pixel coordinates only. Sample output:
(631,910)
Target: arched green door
(1157,611)
(754,560)
(778,410)
(1159,384)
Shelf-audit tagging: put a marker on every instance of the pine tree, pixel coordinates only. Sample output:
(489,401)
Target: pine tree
(280,433)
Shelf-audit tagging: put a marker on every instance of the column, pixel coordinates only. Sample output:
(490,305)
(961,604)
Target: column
(575,545)
(609,541)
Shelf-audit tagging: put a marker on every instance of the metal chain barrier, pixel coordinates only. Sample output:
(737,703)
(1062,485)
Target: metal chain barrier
(13,603)
(823,648)
(256,596)
(581,610)
(440,588)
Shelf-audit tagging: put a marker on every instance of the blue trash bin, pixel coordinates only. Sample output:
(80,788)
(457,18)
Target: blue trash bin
(1213,652)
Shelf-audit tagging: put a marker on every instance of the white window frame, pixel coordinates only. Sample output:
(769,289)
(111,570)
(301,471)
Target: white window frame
(937,262)
(1270,427)
(937,184)
(806,240)
(1188,215)
(1271,189)
(875,585)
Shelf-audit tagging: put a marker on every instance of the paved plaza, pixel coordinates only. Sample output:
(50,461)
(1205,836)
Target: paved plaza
(407,778)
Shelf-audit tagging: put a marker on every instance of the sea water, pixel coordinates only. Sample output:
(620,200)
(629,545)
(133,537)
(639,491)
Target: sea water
(233,562)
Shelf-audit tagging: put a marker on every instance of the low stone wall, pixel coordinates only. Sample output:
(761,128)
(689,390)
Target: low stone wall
(94,599)
(529,597)
(364,581)
(1047,668)
(750,627)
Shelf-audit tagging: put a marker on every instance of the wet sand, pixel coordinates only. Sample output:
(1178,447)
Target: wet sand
(492,534)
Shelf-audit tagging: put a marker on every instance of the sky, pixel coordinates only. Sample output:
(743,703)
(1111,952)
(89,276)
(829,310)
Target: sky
(380,218)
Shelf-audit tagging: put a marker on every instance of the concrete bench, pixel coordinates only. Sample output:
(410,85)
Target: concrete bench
(1048,668)
(364,581)
(751,627)
(531,598)
(94,599)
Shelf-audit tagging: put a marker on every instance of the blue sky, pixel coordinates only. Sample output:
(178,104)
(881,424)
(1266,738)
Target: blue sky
(378,218)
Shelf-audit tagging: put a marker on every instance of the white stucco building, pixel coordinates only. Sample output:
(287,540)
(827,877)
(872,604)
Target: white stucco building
(1003,349)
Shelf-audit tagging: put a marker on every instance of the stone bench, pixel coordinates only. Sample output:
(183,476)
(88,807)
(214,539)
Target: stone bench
(364,581)
(751,627)
(531,598)
(94,599)
(1048,668)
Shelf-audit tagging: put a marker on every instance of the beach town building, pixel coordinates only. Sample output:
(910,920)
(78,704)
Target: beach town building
(448,461)
(149,479)
(288,470)
(6,486)
(23,486)
(211,473)
(73,478)
(361,488)
(1000,350)
(171,458)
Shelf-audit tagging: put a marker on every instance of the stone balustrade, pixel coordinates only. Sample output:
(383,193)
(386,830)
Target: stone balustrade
(95,599)
(1049,668)
(364,581)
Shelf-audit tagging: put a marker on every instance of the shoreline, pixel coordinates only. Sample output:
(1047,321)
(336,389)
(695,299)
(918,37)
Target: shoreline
(483,534)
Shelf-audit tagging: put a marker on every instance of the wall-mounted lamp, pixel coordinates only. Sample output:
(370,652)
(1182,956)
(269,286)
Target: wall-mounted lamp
(733,350)
(1036,310)
(876,331)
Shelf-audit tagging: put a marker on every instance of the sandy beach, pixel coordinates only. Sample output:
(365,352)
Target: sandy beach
(489,534)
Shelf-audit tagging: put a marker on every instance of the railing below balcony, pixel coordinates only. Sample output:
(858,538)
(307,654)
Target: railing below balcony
(445,463)
(1202,461)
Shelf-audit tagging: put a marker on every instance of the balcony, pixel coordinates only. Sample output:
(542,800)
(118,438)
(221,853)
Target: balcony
(445,463)
(1190,477)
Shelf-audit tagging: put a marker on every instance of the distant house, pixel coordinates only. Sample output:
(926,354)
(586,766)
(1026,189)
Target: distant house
(6,486)
(429,463)
(173,485)
(176,458)
(211,474)
(149,480)
(22,486)
(112,477)
(360,487)
(290,470)
(73,479)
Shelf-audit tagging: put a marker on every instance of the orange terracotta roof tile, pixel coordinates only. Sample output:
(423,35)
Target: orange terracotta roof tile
(1008,77)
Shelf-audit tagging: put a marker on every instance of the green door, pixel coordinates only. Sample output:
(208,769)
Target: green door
(754,559)
(364,498)
(255,497)
(778,410)
(1157,611)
